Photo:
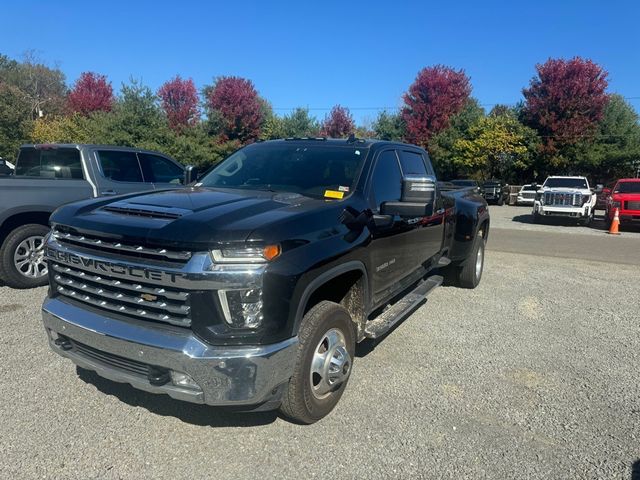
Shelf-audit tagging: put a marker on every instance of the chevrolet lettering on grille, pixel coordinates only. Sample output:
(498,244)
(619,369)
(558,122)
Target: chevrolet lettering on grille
(102,266)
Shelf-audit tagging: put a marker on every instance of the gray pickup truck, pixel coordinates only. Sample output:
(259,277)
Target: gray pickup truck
(48,176)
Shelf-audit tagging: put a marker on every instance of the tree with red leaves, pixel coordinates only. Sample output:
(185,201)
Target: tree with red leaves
(91,92)
(339,123)
(179,100)
(565,101)
(436,95)
(235,110)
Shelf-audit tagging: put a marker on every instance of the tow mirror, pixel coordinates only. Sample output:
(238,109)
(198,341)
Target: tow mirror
(418,194)
(190,174)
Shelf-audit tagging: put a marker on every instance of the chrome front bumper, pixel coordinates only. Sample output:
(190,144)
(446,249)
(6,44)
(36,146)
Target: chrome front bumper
(225,376)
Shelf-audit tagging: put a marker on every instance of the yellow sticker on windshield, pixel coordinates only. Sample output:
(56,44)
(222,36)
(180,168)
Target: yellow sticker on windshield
(333,194)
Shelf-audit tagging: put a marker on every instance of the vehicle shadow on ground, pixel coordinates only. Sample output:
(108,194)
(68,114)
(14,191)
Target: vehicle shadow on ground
(201,415)
(597,224)
(635,470)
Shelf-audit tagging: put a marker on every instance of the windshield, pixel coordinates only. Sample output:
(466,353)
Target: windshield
(312,170)
(627,187)
(580,183)
(528,188)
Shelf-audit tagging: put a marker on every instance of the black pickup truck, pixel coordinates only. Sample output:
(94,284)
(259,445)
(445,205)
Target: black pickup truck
(252,287)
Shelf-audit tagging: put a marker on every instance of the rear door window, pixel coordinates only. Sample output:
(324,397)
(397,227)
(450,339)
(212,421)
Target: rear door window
(159,169)
(412,163)
(50,163)
(120,166)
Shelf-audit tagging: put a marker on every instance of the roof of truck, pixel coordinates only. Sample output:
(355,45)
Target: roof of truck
(364,142)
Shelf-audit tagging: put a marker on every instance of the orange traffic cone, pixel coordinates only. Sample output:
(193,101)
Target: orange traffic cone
(613,230)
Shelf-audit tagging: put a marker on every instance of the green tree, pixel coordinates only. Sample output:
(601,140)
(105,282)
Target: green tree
(497,147)
(68,129)
(389,126)
(300,124)
(616,145)
(43,87)
(15,121)
(441,147)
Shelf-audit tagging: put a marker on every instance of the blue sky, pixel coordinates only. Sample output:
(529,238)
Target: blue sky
(317,54)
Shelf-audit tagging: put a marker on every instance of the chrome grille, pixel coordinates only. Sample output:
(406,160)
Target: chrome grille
(95,243)
(128,298)
(563,199)
(528,194)
(632,205)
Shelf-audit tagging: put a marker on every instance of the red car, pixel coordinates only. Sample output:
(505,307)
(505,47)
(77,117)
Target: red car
(624,196)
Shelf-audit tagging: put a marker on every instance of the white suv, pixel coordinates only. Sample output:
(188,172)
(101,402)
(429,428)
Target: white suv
(568,197)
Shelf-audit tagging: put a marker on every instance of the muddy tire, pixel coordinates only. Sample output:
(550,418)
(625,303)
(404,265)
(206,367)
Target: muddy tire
(324,359)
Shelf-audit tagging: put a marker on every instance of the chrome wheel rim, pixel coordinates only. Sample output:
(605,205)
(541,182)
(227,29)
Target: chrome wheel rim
(479,260)
(330,365)
(28,257)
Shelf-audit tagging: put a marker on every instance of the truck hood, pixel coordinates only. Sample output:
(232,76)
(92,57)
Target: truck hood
(626,197)
(195,217)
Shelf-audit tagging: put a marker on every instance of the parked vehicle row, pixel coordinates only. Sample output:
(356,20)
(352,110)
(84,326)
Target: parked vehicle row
(569,197)
(48,176)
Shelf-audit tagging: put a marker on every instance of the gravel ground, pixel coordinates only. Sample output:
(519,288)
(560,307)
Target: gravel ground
(532,375)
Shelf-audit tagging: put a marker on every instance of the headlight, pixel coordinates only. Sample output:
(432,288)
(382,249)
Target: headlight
(246,255)
(586,199)
(242,308)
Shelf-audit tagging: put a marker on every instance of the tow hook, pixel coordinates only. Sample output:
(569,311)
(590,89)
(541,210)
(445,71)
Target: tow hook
(63,343)
(158,376)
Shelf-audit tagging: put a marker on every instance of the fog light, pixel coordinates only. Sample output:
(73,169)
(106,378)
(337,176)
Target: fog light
(180,379)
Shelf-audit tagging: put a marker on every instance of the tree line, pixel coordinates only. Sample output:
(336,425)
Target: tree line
(567,122)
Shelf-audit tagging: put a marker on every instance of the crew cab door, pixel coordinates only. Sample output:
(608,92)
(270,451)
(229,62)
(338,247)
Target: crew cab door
(426,238)
(388,255)
(400,252)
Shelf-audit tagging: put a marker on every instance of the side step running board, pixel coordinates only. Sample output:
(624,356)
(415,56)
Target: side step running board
(401,309)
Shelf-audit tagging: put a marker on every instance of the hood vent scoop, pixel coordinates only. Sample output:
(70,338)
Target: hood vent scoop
(165,214)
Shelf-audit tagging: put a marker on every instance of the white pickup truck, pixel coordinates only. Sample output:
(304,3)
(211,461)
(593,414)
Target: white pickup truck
(569,197)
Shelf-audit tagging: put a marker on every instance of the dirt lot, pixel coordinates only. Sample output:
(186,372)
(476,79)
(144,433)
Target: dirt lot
(532,375)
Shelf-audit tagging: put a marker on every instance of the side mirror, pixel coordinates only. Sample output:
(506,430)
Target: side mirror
(190,174)
(418,194)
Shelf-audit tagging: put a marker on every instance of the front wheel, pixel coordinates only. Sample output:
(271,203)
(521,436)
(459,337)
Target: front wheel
(323,363)
(22,261)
